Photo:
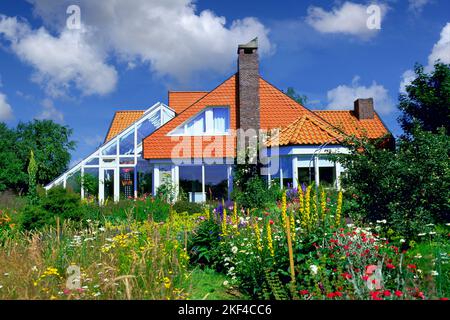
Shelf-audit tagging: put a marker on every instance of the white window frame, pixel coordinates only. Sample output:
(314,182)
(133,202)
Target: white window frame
(209,124)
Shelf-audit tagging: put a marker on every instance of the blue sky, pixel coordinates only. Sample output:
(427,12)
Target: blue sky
(126,56)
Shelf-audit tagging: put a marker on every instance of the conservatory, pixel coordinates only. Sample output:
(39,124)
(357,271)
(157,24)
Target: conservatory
(117,170)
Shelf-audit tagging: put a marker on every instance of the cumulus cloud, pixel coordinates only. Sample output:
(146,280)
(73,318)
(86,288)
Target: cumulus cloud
(62,61)
(343,96)
(350,18)
(440,51)
(5,108)
(49,112)
(169,36)
(418,5)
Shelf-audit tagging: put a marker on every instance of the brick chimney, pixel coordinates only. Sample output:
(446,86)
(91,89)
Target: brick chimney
(248,80)
(364,109)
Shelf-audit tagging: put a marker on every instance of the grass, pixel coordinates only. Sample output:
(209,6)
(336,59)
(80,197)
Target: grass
(207,284)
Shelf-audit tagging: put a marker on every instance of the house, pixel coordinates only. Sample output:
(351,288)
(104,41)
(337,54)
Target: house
(193,141)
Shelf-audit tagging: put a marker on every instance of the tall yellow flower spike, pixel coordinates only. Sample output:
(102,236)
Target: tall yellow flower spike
(283,208)
(224,219)
(257,236)
(301,201)
(292,215)
(207,215)
(323,204)
(339,209)
(235,215)
(307,204)
(270,240)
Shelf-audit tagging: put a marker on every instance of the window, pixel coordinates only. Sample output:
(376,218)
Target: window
(327,176)
(304,176)
(216,182)
(127,183)
(190,181)
(211,121)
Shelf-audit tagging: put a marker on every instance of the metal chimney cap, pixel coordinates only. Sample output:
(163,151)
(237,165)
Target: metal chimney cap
(251,45)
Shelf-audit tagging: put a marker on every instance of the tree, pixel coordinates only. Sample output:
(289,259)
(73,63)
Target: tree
(11,165)
(301,99)
(408,186)
(427,101)
(51,145)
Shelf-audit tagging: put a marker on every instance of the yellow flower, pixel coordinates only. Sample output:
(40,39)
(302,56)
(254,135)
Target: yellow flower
(270,240)
(167,282)
(224,221)
(323,204)
(283,209)
(258,236)
(339,209)
(307,210)
(293,225)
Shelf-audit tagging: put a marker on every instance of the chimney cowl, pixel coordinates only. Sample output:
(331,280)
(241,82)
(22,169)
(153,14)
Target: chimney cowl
(364,109)
(249,47)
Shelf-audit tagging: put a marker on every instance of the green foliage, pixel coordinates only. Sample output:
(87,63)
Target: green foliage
(203,243)
(89,182)
(409,187)
(51,145)
(254,193)
(301,99)
(427,101)
(167,191)
(32,172)
(186,206)
(11,165)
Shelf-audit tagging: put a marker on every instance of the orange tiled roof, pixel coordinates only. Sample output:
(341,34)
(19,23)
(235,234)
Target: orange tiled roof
(346,121)
(306,130)
(298,125)
(277,110)
(161,146)
(122,120)
(180,100)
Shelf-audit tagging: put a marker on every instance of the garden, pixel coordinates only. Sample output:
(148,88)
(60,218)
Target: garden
(384,236)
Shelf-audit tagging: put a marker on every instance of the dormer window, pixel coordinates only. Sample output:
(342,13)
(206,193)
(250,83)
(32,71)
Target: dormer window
(211,121)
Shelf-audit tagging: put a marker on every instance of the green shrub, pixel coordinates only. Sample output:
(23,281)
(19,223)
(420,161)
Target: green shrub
(35,217)
(62,203)
(254,193)
(186,206)
(203,244)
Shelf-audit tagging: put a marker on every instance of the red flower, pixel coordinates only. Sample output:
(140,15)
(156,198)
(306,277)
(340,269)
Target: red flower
(338,294)
(266,214)
(365,278)
(375,294)
(304,292)
(346,275)
(271,221)
(443,299)
(331,295)
(390,266)
(387,293)
(398,293)
(412,266)
(346,247)
(374,281)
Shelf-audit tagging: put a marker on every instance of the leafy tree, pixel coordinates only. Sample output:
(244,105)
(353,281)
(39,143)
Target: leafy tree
(11,165)
(409,187)
(32,172)
(301,99)
(51,145)
(427,101)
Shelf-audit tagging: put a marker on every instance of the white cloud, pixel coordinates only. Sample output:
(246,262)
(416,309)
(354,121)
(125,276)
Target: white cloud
(407,77)
(170,36)
(418,5)
(351,18)
(49,112)
(440,51)
(60,62)
(5,108)
(343,96)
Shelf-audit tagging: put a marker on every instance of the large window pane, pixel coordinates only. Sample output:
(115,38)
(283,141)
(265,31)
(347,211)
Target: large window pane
(221,120)
(327,176)
(90,182)
(127,183)
(304,176)
(145,178)
(111,150)
(147,127)
(197,126)
(126,144)
(216,182)
(190,182)
(73,182)
(109,184)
